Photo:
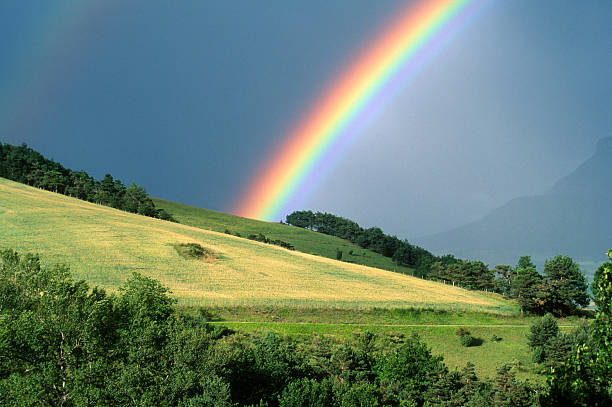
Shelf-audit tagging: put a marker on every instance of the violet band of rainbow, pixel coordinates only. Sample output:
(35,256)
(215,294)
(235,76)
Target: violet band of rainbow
(383,59)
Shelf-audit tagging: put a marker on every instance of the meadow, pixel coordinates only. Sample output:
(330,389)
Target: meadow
(303,240)
(435,327)
(251,286)
(104,246)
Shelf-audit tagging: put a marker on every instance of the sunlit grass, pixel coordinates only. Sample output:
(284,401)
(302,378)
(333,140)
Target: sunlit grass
(303,240)
(104,246)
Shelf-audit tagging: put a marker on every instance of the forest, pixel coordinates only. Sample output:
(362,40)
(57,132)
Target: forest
(25,165)
(65,343)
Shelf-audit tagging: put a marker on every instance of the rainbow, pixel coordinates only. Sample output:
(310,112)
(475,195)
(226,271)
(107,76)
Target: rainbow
(393,54)
(25,93)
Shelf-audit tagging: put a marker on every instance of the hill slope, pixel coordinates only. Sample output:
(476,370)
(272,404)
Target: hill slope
(303,240)
(103,246)
(572,218)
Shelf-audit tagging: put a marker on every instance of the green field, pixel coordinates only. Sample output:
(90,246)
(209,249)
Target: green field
(104,246)
(251,286)
(437,328)
(487,356)
(303,240)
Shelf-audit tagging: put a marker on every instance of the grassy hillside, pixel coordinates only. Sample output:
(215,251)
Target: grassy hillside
(103,246)
(303,240)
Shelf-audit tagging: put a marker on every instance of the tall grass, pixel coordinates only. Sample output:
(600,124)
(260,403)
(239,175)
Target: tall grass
(303,240)
(104,246)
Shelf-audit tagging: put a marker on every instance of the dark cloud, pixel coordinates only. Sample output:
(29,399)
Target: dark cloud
(187,98)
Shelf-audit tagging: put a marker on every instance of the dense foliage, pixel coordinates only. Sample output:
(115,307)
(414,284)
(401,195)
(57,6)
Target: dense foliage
(561,291)
(474,275)
(401,251)
(62,343)
(22,164)
(584,376)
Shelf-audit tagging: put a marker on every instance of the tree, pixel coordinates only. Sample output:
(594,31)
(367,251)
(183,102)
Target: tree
(585,377)
(503,277)
(524,284)
(541,332)
(507,391)
(55,336)
(407,371)
(565,286)
(307,393)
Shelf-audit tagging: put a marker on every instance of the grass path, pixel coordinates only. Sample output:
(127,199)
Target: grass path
(386,325)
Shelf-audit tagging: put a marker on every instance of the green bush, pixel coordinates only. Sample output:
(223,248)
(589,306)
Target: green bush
(541,332)
(307,393)
(461,331)
(195,251)
(466,340)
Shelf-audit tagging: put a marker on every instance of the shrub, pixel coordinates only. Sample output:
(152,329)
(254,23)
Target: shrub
(461,331)
(195,251)
(307,392)
(466,340)
(541,332)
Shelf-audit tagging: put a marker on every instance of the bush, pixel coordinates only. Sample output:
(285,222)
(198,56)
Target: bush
(338,254)
(461,331)
(195,251)
(541,332)
(307,392)
(466,340)
(495,338)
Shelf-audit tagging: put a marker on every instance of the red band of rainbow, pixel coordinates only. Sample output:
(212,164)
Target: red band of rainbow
(340,105)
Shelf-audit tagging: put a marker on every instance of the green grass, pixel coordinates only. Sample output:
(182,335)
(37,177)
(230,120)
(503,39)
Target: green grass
(104,246)
(487,357)
(362,316)
(253,286)
(437,328)
(303,240)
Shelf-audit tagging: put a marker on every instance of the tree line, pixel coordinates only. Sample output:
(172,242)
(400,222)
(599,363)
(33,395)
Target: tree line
(64,343)
(561,290)
(400,251)
(25,165)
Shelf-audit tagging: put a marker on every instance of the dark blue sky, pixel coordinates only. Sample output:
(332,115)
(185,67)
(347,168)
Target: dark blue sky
(187,98)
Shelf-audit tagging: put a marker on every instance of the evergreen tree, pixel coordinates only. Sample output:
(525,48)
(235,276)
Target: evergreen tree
(541,332)
(525,285)
(22,164)
(507,391)
(565,288)
(503,278)
(585,377)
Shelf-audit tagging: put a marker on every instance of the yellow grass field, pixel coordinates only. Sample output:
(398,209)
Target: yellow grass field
(104,246)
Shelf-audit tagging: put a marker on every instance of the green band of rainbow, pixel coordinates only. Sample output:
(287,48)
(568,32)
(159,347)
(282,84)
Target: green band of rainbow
(414,28)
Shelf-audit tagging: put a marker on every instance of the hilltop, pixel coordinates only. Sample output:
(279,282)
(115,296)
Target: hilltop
(104,246)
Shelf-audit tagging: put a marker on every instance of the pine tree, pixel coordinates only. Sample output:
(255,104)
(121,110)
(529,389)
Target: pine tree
(566,287)
(524,286)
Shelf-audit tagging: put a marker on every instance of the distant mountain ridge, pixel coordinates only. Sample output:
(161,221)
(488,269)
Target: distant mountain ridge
(574,217)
